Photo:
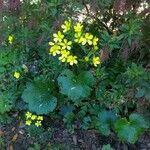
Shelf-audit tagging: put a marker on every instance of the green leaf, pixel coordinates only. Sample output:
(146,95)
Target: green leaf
(76,87)
(35,147)
(8,57)
(2,69)
(5,119)
(101,89)
(135,71)
(140,93)
(38,96)
(5,103)
(147,94)
(130,130)
(66,109)
(107,147)
(86,122)
(105,121)
(138,119)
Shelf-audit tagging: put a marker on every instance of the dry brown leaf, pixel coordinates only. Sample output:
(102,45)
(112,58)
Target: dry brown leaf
(11,147)
(1,133)
(14,137)
(104,55)
(13,129)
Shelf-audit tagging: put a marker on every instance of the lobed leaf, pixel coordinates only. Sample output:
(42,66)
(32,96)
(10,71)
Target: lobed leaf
(76,87)
(38,96)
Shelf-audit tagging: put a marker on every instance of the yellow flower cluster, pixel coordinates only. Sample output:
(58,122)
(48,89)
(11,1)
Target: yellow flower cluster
(62,47)
(31,118)
(85,38)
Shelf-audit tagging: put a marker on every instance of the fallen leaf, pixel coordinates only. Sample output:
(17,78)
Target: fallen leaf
(14,138)
(104,55)
(21,131)
(13,129)
(11,147)
(75,140)
(1,133)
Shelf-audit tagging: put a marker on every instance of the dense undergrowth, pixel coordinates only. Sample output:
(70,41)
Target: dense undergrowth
(84,62)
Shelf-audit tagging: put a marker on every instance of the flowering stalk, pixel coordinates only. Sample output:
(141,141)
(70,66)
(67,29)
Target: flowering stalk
(63,45)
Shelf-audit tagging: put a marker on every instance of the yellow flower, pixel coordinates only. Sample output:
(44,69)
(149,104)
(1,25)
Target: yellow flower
(65,44)
(40,118)
(78,27)
(28,122)
(78,38)
(51,43)
(66,26)
(17,75)
(33,117)
(38,123)
(55,50)
(87,39)
(58,37)
(10,39)
(72,60)
(64,55)
(28,115)
(96,61)
(95,40)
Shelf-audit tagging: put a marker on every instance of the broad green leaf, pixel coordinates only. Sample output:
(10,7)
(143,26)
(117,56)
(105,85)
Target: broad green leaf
(140,93)
(105,121)
(66,109)
(76,87)
(125,131)
(138,119)
(130,130)
(38,96)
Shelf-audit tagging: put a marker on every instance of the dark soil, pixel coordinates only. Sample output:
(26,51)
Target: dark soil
(16,138)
